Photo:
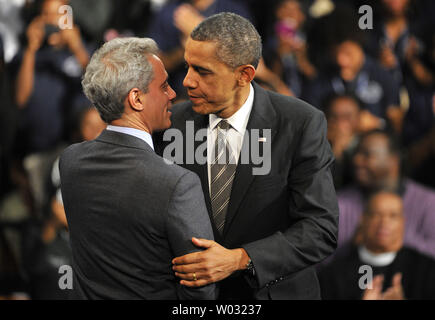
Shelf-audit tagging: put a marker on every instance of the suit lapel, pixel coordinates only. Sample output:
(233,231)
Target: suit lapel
(262,116)
(201,122)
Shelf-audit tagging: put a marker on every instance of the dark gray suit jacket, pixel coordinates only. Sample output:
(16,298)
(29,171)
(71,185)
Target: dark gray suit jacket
(129,214)
(287,220)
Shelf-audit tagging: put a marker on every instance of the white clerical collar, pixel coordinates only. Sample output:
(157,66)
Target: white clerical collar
(376,260)
(238,120)
(143,135)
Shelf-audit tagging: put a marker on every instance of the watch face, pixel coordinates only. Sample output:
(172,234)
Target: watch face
(250,268)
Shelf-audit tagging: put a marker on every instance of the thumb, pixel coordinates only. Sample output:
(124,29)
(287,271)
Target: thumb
(397,280)
(203,243)
(378,282)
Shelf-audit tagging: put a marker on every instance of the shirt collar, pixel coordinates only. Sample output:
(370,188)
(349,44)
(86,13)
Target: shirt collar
(376,260)
(143,135)
(238,120)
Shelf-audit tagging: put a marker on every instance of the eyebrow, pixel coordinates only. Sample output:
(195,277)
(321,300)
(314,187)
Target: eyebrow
(198,68)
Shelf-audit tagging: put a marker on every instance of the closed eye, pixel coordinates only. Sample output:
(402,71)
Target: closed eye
(198,69)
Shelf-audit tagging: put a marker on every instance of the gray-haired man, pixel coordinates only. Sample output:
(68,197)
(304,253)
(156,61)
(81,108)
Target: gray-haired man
(128,211)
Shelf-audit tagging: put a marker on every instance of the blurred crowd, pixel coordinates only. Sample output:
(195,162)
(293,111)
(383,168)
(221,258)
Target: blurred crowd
(376,87)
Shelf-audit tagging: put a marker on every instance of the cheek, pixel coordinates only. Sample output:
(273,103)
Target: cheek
(399,228)
(374,166)
(220,92)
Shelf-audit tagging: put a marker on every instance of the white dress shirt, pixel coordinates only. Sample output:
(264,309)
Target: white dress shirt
(235,134)
(143,135)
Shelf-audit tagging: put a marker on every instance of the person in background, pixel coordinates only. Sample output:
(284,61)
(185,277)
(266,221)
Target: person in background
(87,125)
(421,155)
(286,51)
(399,272)
(17,210)
(173,24)
(420,83)
(343,115)
(12,284)
(47,92)
(52,60)
(392,36)
(46,244)
(354,72)
(8,124)
(401,42)
(378,165)
(46,248)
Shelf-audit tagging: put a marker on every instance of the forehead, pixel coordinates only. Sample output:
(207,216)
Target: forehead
(202,53)
(348,47)
(52,5)
(289,5)
(375,142)
(160,74)
(386,202)
(344,104)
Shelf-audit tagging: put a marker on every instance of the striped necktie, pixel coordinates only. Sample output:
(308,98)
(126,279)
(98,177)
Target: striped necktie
(223,170)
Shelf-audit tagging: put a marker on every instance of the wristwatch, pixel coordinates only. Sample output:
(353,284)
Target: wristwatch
(250,270)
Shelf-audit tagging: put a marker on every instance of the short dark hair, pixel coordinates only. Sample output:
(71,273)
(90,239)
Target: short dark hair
(393,143)
(238,42)
(370,195)
(330,99)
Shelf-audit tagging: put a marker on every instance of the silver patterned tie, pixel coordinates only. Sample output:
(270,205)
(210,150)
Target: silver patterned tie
(223,169)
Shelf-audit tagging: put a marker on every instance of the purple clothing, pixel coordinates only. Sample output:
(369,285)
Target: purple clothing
(419,210)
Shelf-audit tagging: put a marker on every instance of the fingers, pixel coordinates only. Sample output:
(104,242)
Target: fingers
(393,293)
(188,268)
(376,288)
(377,283)
(188,279)
(197,283)
(203,243)
(190,258)
(195,257)
(191,276)
(397,280)
(389,294)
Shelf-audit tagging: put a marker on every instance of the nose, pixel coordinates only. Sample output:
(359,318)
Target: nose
(189,81)
(172,94)
(357,159)
(343,60)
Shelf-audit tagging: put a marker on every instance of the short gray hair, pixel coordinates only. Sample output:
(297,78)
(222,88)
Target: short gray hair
(238,42)
(117,67)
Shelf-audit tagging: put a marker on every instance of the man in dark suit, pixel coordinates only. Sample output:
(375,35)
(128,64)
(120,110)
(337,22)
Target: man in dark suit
(271,225)
(129,212)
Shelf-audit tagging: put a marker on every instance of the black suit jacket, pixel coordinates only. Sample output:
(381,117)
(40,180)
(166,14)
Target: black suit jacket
(287,220)
(129,214)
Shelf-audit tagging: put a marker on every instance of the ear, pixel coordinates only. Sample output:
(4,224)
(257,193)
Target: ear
(246,74)
(136,99)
